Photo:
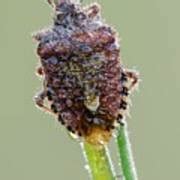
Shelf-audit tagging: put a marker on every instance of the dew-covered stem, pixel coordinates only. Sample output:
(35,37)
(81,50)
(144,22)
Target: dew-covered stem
(125,154)
(98,163)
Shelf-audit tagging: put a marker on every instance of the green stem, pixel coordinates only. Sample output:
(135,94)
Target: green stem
(125,154)
(98,162)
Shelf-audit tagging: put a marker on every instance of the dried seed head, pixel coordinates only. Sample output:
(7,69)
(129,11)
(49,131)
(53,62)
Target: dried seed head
(83,76)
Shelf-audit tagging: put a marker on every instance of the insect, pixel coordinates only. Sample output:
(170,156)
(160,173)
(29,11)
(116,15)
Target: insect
(84,82)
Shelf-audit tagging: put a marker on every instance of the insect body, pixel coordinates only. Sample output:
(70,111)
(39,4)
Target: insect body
(84,81)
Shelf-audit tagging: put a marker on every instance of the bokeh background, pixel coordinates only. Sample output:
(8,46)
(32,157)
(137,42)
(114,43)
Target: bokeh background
(34,146)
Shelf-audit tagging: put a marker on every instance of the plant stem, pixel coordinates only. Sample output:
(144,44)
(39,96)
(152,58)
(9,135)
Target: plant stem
(125,154)
(98,163)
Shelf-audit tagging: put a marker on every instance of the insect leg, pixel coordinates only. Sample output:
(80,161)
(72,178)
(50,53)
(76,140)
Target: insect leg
(132,79)
(39,100)
(129,80)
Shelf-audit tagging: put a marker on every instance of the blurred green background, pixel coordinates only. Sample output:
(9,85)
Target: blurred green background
(33,146)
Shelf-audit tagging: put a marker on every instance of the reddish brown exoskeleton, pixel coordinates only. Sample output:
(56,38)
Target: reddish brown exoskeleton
(85,82)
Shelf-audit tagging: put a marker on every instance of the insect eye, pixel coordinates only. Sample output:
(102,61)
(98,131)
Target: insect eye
(60,16)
